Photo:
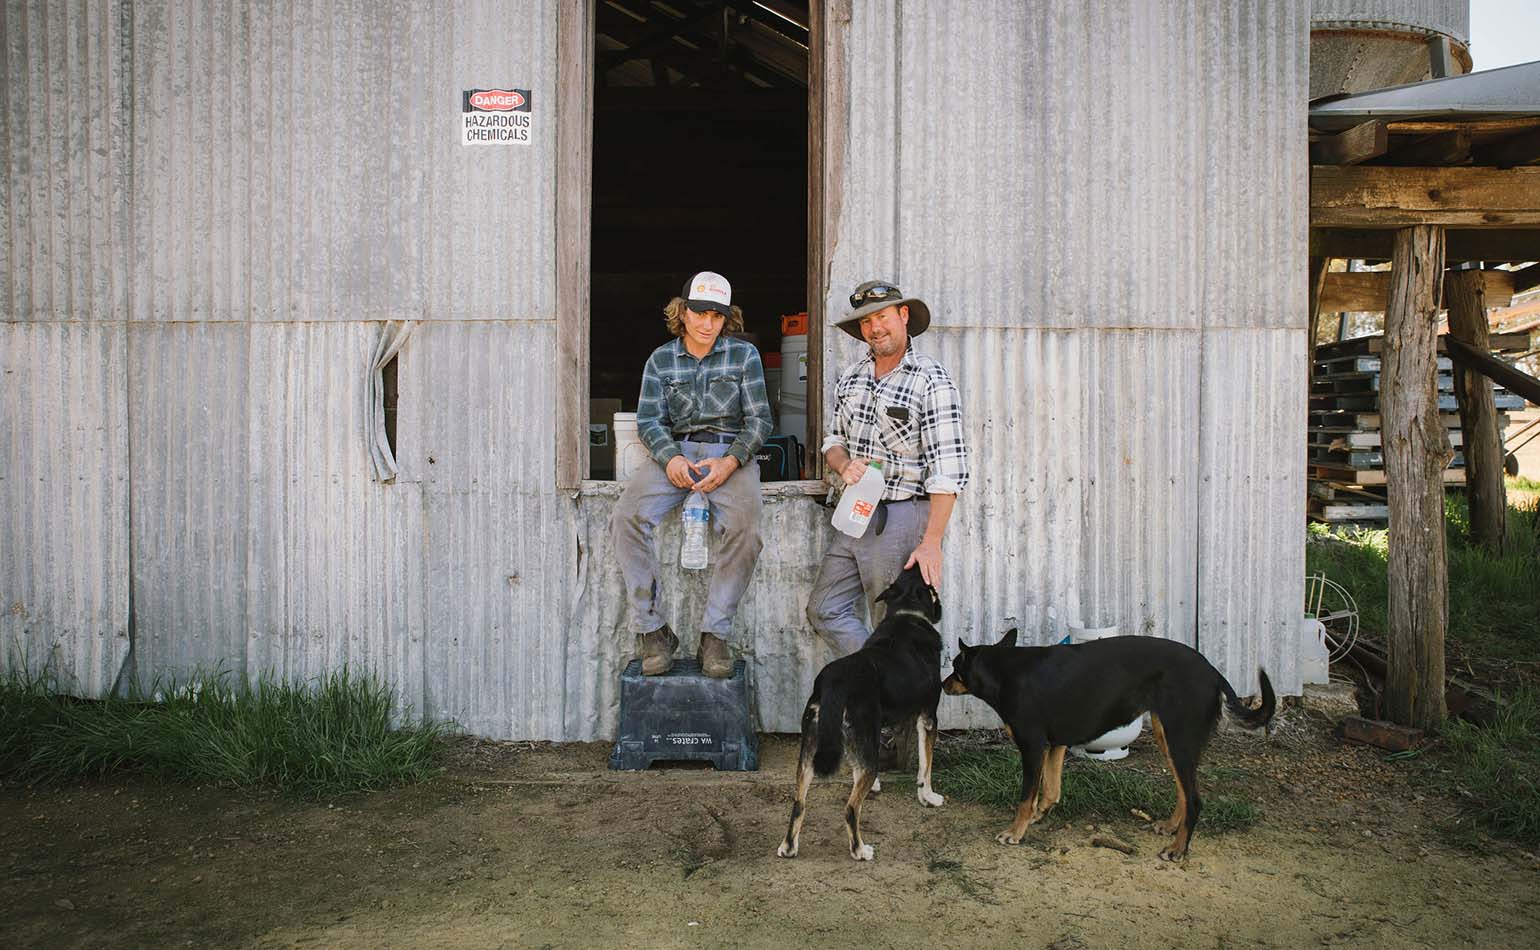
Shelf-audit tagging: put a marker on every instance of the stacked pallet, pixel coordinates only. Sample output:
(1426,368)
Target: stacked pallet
(1347,466)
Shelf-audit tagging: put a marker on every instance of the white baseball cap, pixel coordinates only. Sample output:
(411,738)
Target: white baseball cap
(708,290)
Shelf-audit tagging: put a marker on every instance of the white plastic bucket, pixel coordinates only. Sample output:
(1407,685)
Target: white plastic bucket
(793,395)
(1109,746)
(630,453)
(1314,657)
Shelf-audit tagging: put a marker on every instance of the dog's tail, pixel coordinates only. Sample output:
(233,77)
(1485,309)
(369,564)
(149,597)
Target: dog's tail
(831,729)
(1246,716)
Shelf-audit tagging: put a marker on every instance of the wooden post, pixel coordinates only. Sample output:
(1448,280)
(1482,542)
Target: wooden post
(1483,447)
(1416,452)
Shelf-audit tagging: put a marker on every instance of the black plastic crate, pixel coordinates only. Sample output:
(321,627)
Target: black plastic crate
(686,716)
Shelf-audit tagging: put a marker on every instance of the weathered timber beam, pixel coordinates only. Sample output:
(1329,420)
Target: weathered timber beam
(1358,144)
(1369,290)
(1484,244)
(1373,196)
(1516,380)
(1416,450)
(1481,443)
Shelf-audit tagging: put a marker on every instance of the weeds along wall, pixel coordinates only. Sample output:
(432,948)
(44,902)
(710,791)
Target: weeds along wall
(197,273)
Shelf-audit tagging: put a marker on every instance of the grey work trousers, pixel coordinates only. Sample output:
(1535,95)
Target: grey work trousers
(735,506)
(854,569)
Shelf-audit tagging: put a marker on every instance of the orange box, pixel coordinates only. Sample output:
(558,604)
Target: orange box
(794,324)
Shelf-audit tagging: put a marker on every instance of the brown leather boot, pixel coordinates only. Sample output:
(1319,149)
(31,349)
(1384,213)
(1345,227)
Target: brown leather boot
(716,657)
(657,650)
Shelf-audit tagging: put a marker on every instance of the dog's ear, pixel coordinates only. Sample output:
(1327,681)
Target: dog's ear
(1009,640)
(962,647)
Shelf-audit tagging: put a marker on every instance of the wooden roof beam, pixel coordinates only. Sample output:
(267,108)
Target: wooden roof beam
(1521,149)
(1358,144)
(1371,196)
(1368,291)
(1445,148)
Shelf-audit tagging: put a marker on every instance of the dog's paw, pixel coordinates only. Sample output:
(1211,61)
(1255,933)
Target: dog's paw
(876,788)
(1166,827)
(928,797)
(863,853)
(1169,853)
(786,850)
(1006,837)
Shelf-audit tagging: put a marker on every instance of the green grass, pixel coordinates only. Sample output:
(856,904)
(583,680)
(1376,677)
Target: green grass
(1494,606)
(1520,483)
(319,739)
(1495,769)
(1105,791)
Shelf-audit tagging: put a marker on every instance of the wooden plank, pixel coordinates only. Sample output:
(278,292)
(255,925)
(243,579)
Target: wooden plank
(1417,455)
(1494,245)
(1368,290)
(1374,196)
(1525,278)
(1478,413)
(1519,342)
(1349,147)
(574,219)
(1449,476)
(1520,383)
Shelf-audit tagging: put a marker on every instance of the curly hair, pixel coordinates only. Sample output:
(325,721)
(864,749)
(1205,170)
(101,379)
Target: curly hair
(673,318)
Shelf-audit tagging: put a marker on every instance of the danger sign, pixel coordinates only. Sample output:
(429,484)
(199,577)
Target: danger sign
(496,117)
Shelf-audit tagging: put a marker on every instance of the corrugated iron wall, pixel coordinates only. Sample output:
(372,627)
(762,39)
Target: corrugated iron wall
(1450,17)
(1108,221)
(1110,235)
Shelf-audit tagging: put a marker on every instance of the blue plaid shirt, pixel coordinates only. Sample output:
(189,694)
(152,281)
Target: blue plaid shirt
(724,392)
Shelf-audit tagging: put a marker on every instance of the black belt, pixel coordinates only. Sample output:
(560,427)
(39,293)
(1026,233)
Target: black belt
(710,438)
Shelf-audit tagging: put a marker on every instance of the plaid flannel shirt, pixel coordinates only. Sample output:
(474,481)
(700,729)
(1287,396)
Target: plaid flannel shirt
(724,392)
(910,420)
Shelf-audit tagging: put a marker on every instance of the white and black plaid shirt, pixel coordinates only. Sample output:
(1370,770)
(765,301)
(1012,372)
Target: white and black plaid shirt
(909,420)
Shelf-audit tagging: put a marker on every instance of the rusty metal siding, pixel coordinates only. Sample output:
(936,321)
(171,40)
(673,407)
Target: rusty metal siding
(295,161)
(64,502)
(64,152)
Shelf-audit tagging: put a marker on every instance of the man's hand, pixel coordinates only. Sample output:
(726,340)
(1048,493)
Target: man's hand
(681,474)
(928,556)
(717,471)
(853,471)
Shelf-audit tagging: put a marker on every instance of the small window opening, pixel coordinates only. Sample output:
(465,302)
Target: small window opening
(388,378)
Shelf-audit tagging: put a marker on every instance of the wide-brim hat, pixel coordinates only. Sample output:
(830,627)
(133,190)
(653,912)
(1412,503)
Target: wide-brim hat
(875,295)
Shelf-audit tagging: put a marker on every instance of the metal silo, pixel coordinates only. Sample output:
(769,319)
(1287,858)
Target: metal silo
(1370,44)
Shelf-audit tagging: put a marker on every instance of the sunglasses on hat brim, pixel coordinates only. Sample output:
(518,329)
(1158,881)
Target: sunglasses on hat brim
(875,294)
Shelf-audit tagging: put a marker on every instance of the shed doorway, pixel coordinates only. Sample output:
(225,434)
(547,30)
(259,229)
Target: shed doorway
(700,162)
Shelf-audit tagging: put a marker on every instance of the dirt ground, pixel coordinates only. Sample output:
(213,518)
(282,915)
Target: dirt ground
(521,845)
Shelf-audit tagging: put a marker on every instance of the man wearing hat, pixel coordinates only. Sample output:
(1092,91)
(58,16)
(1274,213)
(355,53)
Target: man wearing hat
(702,414)
(899,407)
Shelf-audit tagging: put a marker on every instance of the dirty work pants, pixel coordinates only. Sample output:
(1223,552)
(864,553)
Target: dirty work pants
(735,505)
(856,569)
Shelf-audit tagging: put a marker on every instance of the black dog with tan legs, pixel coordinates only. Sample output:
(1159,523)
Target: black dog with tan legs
(895,678)
(1054,697)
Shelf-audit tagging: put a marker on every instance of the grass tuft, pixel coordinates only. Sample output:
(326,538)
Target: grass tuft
(1495,769)
(992,776)
(324,738)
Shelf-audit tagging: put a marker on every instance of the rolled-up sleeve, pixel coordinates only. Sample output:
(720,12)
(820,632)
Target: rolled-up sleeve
(945,445)
(756,410)
(653,425)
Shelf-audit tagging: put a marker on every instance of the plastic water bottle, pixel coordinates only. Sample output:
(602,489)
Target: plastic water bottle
(696,516)
(859,502)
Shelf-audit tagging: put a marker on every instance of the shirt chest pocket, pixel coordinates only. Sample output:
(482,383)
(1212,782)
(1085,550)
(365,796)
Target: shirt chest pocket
(723,395)
(681,400)
(900,430)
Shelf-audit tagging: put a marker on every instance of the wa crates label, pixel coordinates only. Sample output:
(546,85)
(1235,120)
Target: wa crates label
(496,117)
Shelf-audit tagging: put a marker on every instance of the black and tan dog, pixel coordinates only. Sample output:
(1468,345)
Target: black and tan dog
(1054,697)
(893,679)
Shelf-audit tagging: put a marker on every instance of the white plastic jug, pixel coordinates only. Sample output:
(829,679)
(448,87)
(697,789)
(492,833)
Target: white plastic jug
(630,453)
(859,502)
